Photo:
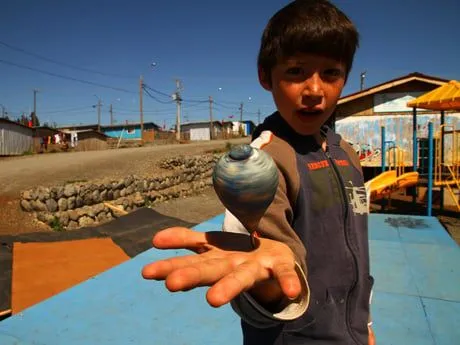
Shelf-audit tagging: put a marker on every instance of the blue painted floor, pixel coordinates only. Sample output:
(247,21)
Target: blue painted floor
(416,298)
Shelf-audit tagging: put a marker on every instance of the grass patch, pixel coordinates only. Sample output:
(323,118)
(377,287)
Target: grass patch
(56,225)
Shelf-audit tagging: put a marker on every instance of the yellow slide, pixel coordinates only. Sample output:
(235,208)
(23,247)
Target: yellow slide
(387,182)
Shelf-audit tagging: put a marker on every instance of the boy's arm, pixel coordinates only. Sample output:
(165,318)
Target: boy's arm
(265,305)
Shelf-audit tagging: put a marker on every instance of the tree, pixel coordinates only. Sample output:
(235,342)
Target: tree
(34,119)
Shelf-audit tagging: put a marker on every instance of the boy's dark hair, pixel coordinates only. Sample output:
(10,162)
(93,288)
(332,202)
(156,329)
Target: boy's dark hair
(308,26)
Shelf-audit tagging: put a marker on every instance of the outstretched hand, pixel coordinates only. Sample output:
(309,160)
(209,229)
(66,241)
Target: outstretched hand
(227,262)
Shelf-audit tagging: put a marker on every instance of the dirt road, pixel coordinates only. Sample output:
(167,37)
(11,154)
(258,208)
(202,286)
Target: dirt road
(17,174)
(21,173)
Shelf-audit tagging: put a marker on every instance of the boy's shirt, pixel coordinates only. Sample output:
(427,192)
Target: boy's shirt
(320,211)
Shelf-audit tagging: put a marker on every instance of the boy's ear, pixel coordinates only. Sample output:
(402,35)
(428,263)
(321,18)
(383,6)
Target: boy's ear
(264,80)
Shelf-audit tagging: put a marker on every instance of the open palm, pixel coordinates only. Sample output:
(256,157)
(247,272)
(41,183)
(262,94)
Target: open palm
(227,262)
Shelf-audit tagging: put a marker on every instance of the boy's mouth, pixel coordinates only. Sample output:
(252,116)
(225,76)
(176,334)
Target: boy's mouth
(309,112)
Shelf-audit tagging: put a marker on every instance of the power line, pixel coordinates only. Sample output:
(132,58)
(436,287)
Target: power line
(65,77)
(224,106)
(156,91)
(156,99)
(63,63)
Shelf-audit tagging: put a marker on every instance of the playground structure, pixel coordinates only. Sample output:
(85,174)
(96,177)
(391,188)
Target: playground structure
(395,178)
(436,159)
(447,164)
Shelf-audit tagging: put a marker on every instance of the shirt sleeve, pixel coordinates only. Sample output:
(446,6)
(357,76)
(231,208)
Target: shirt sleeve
(276,225)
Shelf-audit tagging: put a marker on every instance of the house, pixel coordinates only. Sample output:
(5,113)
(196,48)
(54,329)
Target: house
(360,116)
(15,139)
(123,131)
(244,128)
(131,131)
(201,130)
(86,140)
(45,133)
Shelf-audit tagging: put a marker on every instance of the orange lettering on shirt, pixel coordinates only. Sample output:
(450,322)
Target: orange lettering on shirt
(342,162)
(318,165)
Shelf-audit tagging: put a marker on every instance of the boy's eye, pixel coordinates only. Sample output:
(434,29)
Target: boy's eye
(293,71)
(333,72)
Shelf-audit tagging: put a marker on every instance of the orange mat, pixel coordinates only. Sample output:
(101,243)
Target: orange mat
(41,270)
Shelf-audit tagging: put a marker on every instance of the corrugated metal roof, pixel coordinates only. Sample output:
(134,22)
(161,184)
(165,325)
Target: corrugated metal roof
(446,97)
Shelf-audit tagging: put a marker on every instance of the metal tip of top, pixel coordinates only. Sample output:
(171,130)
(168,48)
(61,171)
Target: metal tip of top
(240,152)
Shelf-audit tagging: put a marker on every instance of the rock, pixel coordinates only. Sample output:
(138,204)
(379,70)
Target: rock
(63,218)
(103,195)
(51,205)
(87,199)
(119,185)
(73,215)
(101,217)
(27,195)
(43,194)
(71,203)
(38,205)
(62,204)
(69,190)
(25,205)
(98,208)
(139,200)
(43,217)
(129,180)
(123,192)
(85,221)
(59,192)
(116,194)
(109,195)
(79,202)
(72,225)
(129,190)
(88,211)
(96,196)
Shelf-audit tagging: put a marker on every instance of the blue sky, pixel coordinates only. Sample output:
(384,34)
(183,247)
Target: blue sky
(211,46)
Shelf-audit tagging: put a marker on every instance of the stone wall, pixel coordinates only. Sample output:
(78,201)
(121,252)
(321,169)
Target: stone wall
(75,205)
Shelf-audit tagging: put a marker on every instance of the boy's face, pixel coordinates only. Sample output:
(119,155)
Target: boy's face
(305,89)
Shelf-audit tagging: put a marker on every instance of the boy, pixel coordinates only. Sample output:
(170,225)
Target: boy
(306,279)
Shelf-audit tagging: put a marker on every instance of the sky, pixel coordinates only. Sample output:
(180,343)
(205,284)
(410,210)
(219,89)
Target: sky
(76,53)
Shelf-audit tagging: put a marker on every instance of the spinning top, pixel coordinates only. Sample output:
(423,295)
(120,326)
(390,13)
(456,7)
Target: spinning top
(245,180)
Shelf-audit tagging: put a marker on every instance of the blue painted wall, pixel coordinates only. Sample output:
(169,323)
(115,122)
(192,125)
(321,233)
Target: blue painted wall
(116,132)
(365,130)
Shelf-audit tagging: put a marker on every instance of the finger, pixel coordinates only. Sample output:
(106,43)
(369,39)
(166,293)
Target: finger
(203,273)
(161,269)
(288,279)
(179,238)
(242,278)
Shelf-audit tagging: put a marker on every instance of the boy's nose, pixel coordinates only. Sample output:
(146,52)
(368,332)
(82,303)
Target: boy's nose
(313,87)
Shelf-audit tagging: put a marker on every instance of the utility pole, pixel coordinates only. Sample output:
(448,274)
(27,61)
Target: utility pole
(258,116)
(178,100)
(35,103)
(141,107)
(363,76)
(3,110)
(99,115)
(211,125)
(111,115)
(241,120)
